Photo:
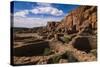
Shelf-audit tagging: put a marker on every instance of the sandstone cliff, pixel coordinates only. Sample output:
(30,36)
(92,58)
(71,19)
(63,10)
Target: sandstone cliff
(76,20)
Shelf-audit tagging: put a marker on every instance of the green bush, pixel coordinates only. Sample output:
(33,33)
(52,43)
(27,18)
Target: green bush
(94,52)
(70,57)
(56,59)
(47,51)
(67,38)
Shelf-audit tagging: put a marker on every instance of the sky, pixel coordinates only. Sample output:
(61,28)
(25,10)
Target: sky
(36,14)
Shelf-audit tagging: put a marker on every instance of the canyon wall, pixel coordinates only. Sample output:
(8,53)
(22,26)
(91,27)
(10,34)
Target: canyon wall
(78,19)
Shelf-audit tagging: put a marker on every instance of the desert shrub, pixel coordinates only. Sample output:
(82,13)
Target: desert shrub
(54,59)
(67,38)
(47,51)
(70,57)
(65,56)
(94,52)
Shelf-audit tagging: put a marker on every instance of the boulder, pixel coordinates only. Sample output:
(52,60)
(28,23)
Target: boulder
(84,43)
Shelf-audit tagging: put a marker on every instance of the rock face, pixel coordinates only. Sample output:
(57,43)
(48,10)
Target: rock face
(84,43)
(82,17)
(31,49)
(51,25)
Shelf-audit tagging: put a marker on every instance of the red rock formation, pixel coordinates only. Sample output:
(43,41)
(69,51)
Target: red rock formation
(77,17)
(81,16)
(52,25)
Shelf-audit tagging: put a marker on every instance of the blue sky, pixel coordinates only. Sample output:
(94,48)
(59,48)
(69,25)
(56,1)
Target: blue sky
(34,14)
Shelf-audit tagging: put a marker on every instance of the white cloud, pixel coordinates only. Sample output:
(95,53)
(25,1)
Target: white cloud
(22,20)
(47,10)
(40,10)
(22,13)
